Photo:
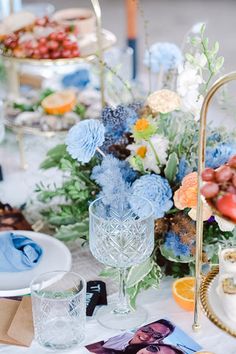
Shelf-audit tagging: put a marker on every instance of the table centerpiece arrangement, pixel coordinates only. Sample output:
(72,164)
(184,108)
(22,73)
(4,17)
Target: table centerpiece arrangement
(149,149)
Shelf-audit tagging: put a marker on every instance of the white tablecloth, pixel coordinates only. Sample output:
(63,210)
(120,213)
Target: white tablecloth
(17,188)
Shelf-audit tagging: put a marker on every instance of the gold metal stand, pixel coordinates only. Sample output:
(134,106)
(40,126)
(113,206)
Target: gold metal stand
(201,165)
(97,10)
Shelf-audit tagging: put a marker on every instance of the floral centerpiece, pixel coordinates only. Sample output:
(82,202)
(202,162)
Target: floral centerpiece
(148,149)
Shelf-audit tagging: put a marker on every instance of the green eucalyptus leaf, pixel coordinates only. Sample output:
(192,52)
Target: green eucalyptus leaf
(66,164)
(169,254)
(138,272)
(218,64)
(203,28)
(171,167)
(72,232)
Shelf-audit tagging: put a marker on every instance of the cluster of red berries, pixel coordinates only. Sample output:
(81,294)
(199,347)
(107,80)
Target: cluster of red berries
(220,188)
(59,43)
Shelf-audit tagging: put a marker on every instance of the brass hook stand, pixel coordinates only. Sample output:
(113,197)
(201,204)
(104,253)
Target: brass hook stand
(201,165)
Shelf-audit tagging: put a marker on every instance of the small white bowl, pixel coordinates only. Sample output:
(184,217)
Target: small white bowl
(83,19)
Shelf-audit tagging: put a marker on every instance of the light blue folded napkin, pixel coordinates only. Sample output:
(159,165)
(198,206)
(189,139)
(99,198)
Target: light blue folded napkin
(18,253)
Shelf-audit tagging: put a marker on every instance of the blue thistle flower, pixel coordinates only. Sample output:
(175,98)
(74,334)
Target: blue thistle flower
(84,138)
(109,177)
(117,121)
(156,189)
(218,155)
(164,56)
(173,243)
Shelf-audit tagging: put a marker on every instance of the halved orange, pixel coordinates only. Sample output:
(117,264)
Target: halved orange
(59,102)
(183,292)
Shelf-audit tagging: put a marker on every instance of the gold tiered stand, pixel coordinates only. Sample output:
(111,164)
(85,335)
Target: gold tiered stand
(202,284)
(105,40)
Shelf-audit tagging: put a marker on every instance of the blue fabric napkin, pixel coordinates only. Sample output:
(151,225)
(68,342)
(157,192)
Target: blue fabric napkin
(18,253)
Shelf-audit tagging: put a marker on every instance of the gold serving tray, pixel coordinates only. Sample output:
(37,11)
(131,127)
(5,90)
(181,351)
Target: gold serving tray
(211,309)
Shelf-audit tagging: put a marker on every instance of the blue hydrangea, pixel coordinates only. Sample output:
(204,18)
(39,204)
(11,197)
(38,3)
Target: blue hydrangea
(183,169)
(173,243)
(84,138)
(110,178)
(156,189)
(163,55)
(219,154)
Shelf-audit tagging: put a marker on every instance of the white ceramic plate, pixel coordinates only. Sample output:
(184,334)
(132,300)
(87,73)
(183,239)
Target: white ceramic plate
(216,305)
(56,256)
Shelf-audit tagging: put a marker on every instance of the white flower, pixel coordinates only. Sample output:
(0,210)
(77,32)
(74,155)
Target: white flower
(188,83)
(188,79)
(153,153)
(192,102)
(224,225)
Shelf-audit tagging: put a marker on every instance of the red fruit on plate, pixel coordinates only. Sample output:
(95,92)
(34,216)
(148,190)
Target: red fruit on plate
(43,49)
(53,36)
(208,174)
(227,205)
(223,174)
(67,44)
(53,45)
(42,40)
(55,55)
(210,190)
(66,53)
(232,161)
(75,53)
(60,36)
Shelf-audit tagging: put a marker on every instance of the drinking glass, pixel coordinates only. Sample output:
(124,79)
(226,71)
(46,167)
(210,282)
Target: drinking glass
(58,302)
(121,235)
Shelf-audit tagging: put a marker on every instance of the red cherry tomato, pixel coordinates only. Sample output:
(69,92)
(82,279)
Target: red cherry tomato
(53,45)
(52,36)
(55,54)
(66,53)
(42,40)
(60,36)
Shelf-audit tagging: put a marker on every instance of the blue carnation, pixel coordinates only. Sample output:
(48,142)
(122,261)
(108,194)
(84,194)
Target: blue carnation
(164,56)
(156,189)
(84,138)
(173,243)
(218,155)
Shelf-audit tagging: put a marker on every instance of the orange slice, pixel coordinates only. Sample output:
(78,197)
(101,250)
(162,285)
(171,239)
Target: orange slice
(183,292)
(59,102)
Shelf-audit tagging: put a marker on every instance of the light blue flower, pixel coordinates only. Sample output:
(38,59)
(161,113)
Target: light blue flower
(156,189)
(218,155)
(173,243)
(163,55)
(183,169)
(84,138)
(109,177)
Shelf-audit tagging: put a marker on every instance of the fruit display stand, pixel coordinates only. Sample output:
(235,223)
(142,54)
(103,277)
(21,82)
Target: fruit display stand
(99,42)
(206,286)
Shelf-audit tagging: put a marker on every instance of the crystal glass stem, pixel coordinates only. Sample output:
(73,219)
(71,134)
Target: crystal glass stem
(123,305)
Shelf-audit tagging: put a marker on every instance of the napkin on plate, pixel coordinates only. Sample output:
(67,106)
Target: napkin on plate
(18,253)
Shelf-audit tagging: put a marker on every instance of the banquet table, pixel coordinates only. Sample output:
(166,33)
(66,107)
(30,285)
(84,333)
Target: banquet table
(17,188)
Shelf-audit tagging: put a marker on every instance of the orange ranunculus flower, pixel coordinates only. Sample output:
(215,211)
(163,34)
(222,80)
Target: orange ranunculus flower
(186,195)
